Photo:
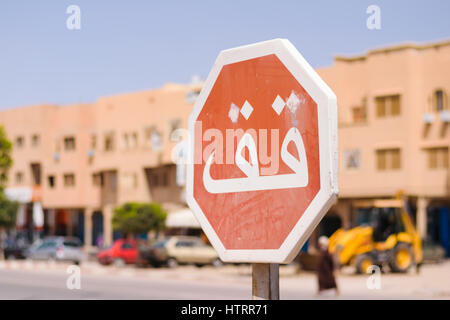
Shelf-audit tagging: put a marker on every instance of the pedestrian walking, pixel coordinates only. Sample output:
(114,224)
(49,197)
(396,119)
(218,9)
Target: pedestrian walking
(325,268)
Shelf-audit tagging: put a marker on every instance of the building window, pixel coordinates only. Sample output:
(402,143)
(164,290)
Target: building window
(159,179)
(381,107)
(154,181)
(133,140)
(125,143)
(36,172)
(191,96)
(438,158)
(69,143)
(19,177)
(69,180)
(20,142)
(109,141)
(97,179)
(156,141)
(153,138)
(388,106)
(129,140)
(439,101)
(165,179)
(51,181)
(35,140)
(388,159)
(359,114)
(352,159)
(174,133)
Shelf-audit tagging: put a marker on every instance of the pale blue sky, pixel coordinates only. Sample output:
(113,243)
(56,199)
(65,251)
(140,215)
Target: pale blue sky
(131,45)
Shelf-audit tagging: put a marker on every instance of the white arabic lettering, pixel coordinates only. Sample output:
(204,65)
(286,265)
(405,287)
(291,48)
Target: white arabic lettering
(254,181)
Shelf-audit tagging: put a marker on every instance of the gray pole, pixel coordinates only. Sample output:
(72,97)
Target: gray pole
(265,281)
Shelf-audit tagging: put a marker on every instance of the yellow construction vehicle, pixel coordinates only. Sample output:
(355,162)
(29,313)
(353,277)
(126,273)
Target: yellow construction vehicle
(385,235)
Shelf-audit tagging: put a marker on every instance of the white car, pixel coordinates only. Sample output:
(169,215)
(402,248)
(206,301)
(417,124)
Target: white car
(181,250)
(57,248)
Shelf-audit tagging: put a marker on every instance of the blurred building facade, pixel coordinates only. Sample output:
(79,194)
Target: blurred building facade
(80,161)
(394,133)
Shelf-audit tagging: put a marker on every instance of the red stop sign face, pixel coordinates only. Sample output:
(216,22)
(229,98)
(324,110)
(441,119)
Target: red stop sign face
(256,156)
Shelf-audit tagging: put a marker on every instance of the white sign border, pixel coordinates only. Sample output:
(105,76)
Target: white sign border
(327,125)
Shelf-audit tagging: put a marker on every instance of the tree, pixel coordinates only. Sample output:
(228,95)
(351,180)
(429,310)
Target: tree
(8,209)
(8,212)
(5,158)
(134,218)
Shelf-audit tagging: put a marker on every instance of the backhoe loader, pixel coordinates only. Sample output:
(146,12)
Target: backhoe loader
(384,236)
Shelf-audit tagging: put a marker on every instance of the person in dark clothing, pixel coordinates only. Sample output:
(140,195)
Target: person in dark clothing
(325,268)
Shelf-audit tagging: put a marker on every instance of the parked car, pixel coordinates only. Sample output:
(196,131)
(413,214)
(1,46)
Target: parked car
(177,250)
(56,248)
(15,248)
(123,251)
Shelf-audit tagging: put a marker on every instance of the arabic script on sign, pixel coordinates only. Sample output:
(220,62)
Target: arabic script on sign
(253,180)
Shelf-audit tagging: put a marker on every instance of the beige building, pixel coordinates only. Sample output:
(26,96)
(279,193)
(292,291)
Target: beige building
(394,132)
(80,161)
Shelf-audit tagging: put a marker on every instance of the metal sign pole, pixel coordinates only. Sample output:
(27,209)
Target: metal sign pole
(265,281)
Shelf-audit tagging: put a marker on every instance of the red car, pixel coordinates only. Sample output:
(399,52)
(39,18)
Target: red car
(122,252)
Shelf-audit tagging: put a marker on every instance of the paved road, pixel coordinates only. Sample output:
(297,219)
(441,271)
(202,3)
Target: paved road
(26,280)
(19,284)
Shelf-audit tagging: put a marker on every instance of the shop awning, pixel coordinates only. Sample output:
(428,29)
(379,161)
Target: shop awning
(19,194)
(182,218)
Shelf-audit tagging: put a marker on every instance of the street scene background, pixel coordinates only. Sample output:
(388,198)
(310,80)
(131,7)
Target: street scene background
(94,105)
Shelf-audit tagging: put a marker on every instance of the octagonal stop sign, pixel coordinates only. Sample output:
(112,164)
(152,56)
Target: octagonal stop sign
(263,153)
